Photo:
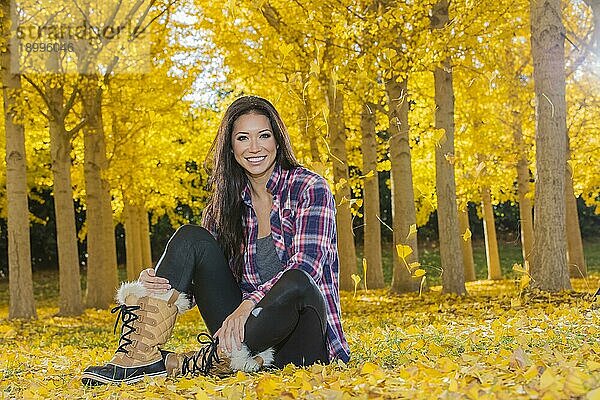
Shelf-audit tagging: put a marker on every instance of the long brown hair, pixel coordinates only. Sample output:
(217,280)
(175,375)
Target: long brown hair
(226,210)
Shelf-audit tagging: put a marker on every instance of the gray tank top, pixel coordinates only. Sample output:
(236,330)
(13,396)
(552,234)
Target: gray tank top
(267,260)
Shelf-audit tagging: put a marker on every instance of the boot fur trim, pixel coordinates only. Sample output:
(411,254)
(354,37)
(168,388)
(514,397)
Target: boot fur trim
(242,360)
(267,356)
(135,288)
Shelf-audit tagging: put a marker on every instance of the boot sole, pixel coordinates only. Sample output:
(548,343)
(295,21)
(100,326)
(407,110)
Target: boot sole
(91,379)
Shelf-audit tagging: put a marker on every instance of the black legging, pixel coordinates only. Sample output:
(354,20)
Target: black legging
(292,317)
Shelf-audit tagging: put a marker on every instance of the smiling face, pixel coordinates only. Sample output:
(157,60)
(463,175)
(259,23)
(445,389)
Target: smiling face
(254,145)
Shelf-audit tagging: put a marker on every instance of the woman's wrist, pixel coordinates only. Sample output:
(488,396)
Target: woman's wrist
(247,305)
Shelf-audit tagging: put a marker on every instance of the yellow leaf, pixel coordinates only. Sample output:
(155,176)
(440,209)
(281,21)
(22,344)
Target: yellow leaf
(314,68)
(403,250)
(419,273)
(266,387)
(467,235)
(201,395)
(547,380)
(340,184)
(368,368)
(370,174)
(453,387)
(356,280)
(524,282)
(518,268)
(439,137)
(593,394)
(531,373)
(286,48)
(412,231)
(593,365)
(575,382)
(414,265)
(480,167)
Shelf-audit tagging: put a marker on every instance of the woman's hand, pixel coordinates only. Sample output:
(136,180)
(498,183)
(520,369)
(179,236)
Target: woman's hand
(232,331)
(152,282)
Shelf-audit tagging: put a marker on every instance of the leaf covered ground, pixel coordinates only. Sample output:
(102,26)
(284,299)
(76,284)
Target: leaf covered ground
(491,344)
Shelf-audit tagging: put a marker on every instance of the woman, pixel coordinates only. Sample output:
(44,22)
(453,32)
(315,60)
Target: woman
(263,268)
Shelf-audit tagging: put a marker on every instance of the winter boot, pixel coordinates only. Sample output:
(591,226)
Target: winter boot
(147,321)
(208,361)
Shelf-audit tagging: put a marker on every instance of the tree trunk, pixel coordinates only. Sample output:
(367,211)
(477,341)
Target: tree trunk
(525,210)
(337,139)
(575,255)
(108,227)
(489,230)
(453,277)
(145,238)
(134,241)
(129,241)
(372,230)
(101,275)
(21,300)
(70,301)
(549,268)
(403,201)
(466,245)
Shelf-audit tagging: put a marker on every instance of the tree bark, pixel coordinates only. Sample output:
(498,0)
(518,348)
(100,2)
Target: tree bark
(145,238)
(101,272)
(70,301)
(575,255)
(134,243)
(372,230)
(466,246)
(337,140)
(21,300)
(403,200)
(525,209)
(129,241)
(549,268)
(489,229)
(453,277)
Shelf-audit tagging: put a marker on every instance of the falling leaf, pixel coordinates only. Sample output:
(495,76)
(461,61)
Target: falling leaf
(450,158)
(418,273)
(364,264)
(439,137)
(340,184)
(414,265)
(356,280)
(480,167)
(286,49)
(403,251)
(467,235)
(412,230)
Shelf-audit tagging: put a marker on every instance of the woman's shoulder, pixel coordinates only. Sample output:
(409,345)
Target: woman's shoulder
(301,181)
(302,177)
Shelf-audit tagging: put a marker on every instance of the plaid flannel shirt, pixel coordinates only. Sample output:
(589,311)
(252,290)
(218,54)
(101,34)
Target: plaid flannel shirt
(304,232)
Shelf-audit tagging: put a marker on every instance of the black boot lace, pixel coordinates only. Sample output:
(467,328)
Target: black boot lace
(127,316)
(204,359)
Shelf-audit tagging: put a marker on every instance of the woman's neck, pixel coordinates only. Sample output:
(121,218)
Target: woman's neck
(258,184)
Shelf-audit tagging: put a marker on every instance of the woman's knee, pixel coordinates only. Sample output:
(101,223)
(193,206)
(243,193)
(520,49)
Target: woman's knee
(192,232)
(299,284)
